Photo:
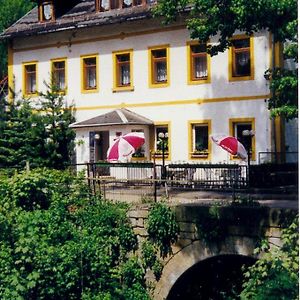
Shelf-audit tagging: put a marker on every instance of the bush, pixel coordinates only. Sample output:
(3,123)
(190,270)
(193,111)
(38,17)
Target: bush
(59,242)
(275,275)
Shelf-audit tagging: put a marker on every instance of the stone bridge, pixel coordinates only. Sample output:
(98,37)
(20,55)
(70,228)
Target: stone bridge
(210,235)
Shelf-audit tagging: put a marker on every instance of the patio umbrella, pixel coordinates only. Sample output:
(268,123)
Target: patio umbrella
(231,145)
(124,146)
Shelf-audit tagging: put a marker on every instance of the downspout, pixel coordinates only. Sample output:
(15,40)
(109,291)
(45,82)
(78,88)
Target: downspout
(272,93)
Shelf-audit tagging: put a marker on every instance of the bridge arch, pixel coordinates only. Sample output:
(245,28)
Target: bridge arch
(196,252)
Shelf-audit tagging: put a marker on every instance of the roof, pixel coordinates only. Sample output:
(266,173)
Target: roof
(82,15)
(120,116)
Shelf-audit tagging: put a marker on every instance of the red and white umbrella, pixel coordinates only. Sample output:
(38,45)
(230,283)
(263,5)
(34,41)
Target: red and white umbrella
(231,145)
(124,146)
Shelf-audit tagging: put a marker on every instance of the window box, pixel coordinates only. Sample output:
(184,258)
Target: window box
(200,154)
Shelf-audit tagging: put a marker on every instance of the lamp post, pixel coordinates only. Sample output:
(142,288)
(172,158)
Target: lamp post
(163,136)
(249,133)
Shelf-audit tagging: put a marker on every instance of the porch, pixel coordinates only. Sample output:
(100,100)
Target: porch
(146,182)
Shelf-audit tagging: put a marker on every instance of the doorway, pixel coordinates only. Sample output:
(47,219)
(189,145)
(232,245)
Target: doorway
(101,145)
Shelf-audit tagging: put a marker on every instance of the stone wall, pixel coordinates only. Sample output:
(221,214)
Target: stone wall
(207,231)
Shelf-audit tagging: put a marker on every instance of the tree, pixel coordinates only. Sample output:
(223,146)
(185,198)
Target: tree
(206,18)
(10,12)
(58,241)
(275,275)
(55,116)
(39,133)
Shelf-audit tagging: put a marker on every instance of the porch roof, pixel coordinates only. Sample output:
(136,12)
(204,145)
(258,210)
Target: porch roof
(120,116)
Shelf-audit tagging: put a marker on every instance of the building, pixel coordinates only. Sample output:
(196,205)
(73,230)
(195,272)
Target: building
(125,71)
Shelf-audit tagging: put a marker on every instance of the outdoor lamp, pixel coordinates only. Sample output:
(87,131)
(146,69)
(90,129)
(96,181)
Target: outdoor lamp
(249,133)
(163,136)
(97,136)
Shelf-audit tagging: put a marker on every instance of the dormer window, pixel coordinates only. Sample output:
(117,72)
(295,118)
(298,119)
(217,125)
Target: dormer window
(104,5)
(46,11)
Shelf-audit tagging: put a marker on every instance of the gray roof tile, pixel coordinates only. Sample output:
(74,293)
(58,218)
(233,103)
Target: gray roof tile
(120,116)
(81,15)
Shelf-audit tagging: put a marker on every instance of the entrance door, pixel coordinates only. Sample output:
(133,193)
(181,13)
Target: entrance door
(101,145)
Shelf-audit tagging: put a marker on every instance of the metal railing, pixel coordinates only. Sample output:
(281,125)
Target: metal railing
(277,157)
(135,181)
(206,176)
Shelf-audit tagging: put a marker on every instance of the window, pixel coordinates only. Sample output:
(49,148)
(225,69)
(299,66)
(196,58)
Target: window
(199,142)
(162,140)
(241,59)
(198,63)
(122,70)
(237,126)
(140,152)
(46,11)
(59,75)
(30,79)
(159,66)
(89,73)
(104,5)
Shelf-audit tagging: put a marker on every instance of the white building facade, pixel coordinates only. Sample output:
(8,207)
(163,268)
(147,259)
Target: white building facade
(133,74)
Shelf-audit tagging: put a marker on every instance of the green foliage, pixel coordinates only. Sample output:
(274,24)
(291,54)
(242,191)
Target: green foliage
(10,12)
(284,99)
(77,246)
(162,227)
(211,227)
(150,258)
(275,275)
(38,134)
(221,18)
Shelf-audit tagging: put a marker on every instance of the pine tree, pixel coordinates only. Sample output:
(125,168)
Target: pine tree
(39,134)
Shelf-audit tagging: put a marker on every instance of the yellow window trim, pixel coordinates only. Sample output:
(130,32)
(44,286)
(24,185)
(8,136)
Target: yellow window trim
(82,58)
(168,125)
(278,52)
(150,66)
(117,88)
(64,59)
(25,64)
(190,81)
(230,62)
(233,121)
(193,156)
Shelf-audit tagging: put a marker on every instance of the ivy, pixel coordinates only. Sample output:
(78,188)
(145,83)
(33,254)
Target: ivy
(162,227)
